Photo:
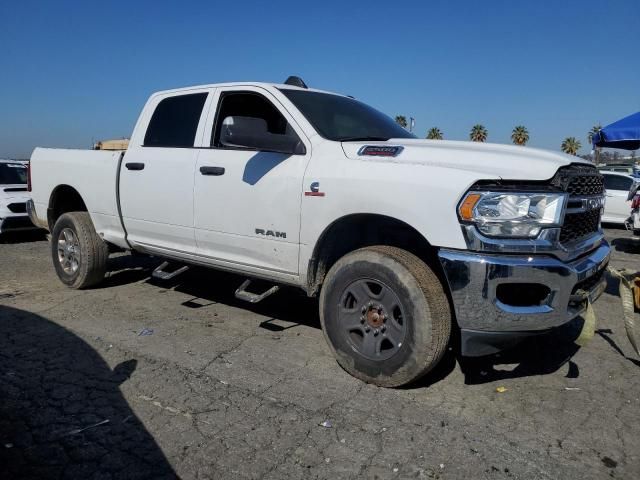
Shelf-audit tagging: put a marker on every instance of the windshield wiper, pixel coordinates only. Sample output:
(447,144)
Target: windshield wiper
(363,139)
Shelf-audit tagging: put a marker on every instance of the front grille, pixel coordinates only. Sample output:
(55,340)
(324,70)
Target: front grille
(578,225)
(579,181)
(17,207)
(584,185)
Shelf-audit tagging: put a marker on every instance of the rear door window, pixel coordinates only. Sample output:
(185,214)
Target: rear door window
(175,121)
(13,173)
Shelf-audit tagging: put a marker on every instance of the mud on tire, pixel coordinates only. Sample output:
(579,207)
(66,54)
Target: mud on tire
(385,315)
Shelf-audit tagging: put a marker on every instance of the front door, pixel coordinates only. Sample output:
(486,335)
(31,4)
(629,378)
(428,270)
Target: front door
(247,201)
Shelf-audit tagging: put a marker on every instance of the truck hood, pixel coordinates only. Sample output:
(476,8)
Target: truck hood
(489,160)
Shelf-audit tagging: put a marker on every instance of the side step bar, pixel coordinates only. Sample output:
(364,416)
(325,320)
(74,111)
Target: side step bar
(161,274)
(243,294)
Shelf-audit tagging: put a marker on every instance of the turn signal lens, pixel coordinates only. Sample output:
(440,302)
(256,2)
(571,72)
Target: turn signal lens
(466,207)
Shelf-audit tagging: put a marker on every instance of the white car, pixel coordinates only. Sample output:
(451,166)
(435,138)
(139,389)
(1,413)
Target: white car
(399,237)
(617,207)
(14,196)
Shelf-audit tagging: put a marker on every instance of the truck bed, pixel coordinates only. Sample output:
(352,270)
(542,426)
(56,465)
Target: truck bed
(92,173)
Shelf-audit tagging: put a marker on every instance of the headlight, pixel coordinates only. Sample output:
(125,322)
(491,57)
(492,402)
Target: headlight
(499,214)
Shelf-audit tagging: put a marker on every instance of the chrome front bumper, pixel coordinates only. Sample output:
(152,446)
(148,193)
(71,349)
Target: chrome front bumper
(474,279)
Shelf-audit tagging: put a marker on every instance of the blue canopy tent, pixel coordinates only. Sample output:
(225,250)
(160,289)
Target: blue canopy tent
(624,133)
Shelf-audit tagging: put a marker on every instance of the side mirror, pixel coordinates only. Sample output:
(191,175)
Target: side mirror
(633,190)
(250,132)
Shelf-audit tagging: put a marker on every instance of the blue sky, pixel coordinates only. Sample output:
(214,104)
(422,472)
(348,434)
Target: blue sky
(73,72)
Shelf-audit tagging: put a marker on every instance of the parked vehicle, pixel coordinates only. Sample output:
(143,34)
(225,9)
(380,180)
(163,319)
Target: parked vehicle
(13,197)
(633,222)
(617,205)
(620,168)
(628,169)
(401,238)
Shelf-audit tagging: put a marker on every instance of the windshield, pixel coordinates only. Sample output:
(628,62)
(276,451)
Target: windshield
(13,173)
(344,119)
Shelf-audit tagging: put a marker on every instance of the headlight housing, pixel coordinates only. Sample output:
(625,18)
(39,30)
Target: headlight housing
(512,214)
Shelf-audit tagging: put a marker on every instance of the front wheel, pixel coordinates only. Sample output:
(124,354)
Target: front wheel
(79,254)
(385,315)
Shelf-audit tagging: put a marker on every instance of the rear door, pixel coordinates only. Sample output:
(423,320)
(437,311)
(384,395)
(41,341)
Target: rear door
(247,201)
(156,178)
(617,209)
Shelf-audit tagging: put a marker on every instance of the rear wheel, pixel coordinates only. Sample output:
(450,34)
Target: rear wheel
(79,254)
(385,315)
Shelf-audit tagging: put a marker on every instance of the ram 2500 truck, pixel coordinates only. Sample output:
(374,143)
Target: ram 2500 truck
(405,241)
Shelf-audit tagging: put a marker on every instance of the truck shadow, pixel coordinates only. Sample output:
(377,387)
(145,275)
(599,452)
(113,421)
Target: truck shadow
(289,305)
(605,334)
(207,287)
(539,355)
(124,269)
(23,237)
(62,414)
(626,244)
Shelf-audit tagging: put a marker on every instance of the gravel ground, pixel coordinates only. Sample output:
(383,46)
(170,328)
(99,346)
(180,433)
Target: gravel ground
(223,389)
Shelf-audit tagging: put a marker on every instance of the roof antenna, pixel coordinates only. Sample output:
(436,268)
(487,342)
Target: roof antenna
(296,82)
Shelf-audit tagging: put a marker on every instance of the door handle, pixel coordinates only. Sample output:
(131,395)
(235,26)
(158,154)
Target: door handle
(134,166)
(215,171)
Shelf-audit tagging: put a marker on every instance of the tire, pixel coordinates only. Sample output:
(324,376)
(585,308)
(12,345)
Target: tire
(79,255)
(401,298)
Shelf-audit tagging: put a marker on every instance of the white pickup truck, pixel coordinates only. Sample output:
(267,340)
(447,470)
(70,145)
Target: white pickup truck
(407,242)
(13,197)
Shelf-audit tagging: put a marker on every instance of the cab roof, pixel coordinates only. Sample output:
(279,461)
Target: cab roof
(265,85)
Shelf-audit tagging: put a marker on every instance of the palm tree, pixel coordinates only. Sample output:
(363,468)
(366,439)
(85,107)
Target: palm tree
(434,134)
(401,120)
(478,133)
(595,129)
(520,135)
(570,145)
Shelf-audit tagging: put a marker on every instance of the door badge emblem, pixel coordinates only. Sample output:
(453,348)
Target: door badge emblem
(314,190)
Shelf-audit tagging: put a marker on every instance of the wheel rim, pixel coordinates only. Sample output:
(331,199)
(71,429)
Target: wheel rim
(68,251)
(372,319)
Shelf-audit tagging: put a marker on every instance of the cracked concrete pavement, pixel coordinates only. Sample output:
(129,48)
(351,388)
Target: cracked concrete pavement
(224,389)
